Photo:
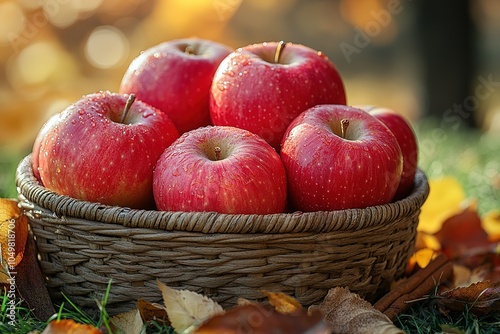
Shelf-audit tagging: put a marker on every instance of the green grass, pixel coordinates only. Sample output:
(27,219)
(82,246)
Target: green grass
(424,317)
(472,157)
(25,321)
(8,164)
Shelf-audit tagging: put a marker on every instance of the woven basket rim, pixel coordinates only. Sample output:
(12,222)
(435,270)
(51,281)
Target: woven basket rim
(212,222)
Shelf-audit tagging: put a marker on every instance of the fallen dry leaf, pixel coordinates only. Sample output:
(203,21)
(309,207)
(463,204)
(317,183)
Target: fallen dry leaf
(187,309)
(463,234)
(461,276)
(346,312)
(263,319)
(13,236)
(128,322)
(445,199)
(69,327)
(479,298)
(152,311)
(282,302)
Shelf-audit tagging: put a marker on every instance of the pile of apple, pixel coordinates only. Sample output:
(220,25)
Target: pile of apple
(197,126)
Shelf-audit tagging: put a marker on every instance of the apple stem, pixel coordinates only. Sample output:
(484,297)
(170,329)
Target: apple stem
(130,101)
(344,124)
(217,152)
(189,50)
(279,51)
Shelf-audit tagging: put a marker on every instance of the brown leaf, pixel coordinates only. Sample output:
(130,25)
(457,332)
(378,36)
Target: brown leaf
(478,298)
(69,327)
(461,276)
(152,311)
(13,236)
(282,302)
(346,312)
(263,319)
(463,233)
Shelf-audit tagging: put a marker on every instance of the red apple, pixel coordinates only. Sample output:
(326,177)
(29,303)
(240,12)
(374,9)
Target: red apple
(407,140)
(263,87)
(222,169)
(339,157)
(88,152)
(175,77)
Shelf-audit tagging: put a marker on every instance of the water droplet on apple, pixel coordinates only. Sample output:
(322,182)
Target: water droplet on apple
(148,113)
(221,86)
(81,112)
(230,73)
(245,62)
(176,172)
(73,121)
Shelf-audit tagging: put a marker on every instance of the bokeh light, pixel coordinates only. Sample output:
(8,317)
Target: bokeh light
(61,14)
(106,47)
(12,21)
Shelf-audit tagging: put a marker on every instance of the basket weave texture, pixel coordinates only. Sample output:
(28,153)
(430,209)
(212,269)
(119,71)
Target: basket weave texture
(83,245)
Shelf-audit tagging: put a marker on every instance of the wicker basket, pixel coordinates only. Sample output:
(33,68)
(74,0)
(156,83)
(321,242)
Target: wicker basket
(82,245)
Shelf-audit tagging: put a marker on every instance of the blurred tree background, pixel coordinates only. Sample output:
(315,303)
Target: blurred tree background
(420,58)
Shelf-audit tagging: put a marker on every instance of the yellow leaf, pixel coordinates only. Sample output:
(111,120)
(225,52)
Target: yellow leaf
(491,224)
(187,309)
(423,257)
(128,322)
(445,199)
(13,236)
(282,302)
(426,240)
